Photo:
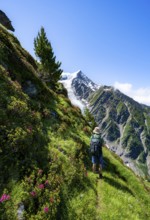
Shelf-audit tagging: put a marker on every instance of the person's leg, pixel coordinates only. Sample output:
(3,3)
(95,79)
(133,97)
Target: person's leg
(100,171)
(94,167)
(94,164)
(100,166)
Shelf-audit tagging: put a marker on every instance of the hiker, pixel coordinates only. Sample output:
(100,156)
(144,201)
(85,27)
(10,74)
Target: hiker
(96,151)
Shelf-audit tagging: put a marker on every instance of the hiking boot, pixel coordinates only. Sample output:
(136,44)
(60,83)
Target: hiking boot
(100,176)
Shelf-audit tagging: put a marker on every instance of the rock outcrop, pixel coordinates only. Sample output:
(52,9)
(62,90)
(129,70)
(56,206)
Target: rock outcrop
(4,20)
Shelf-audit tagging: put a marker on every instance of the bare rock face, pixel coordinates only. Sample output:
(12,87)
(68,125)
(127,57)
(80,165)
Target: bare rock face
(30,88)
(4,20)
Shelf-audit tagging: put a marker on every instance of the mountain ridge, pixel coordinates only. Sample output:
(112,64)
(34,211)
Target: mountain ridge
(123,121)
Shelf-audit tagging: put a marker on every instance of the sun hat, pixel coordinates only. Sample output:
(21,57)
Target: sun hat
(96,130)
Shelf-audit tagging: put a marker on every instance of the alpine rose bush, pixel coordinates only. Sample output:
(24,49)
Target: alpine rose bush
(42,192)
(4,197)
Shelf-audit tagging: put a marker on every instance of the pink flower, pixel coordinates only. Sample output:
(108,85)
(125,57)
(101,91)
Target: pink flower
(41,186)
(40,172)
(46,182)
(4,197)
(33,193)
(29,129)
(46,209)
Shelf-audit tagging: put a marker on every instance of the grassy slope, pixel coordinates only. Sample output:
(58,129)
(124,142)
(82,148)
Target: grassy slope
(123,195)
(120,195)
(45,138)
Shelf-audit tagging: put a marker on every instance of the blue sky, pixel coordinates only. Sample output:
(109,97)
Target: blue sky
(109,40)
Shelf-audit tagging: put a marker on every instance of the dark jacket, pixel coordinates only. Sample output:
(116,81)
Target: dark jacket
(98,140)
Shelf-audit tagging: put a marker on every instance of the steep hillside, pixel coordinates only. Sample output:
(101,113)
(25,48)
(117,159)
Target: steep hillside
(43,139)
(44,161)
(119,195)
(122,195)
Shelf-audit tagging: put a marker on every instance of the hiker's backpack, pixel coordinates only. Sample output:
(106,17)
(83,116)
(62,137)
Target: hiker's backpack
(96,145)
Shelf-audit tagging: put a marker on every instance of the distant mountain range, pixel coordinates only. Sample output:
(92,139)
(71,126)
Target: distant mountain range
(125,124)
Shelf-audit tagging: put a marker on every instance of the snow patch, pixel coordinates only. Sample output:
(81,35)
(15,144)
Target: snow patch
(66,80)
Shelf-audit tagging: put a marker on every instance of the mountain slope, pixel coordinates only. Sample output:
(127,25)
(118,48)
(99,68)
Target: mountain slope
(125,126)
(44,161)
(122,194)
(124,122)
(79,87)
(119,195)
(43,139)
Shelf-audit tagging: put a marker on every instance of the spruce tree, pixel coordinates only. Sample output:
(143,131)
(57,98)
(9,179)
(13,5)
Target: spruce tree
(49,68)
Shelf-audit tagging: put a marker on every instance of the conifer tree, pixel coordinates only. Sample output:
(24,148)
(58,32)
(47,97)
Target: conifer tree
(49,68)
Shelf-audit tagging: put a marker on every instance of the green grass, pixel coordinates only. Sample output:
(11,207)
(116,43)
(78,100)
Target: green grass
(123,195)
(119,195)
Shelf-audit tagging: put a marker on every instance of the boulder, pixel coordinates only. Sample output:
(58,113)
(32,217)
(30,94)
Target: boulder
(4,20)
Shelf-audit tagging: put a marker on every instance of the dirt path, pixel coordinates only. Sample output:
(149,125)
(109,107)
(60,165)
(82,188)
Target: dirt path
(98,205)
